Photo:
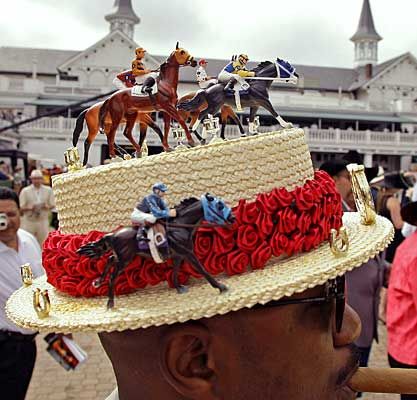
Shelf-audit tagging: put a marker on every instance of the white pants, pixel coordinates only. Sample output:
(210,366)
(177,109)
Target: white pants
(225,77)
(139,217)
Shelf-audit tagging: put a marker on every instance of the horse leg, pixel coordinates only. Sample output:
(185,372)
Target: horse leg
(167,122)
(252,115)
(236,119)
(117,270)
(265,103)
(172,111)
(176,269)
(156,128)
(194,117)
(99,281)
(190,256)
(130,123)
(112,133)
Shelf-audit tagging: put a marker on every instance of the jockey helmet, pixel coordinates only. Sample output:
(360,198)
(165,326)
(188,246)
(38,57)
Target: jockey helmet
(160,186)
(140,51)
(202,62)
(243,58)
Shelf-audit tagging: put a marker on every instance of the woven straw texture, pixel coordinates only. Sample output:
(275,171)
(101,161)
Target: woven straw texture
(160,305)
(103,198)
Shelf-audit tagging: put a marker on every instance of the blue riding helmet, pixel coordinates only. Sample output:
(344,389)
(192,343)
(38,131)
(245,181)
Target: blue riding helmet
(215,210)
(160,186)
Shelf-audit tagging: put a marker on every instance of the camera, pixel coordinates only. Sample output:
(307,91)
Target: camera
(4,222)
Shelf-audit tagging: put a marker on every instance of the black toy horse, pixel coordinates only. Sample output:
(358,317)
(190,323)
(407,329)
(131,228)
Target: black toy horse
(257,96)
(123,245)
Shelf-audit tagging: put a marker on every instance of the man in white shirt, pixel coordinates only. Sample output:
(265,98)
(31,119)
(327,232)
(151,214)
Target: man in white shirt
(36,201)
(17,345)
(204,81)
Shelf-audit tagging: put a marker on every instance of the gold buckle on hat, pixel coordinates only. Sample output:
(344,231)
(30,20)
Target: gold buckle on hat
(41,309)
(339,241)
(26,274)
(362,194)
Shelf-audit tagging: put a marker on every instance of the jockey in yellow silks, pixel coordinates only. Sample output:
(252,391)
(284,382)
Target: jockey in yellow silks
(235,73)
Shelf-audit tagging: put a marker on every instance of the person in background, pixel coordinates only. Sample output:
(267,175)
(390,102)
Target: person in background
(407,228)
(363,283)
(402,301)
(17,345)
(36,201)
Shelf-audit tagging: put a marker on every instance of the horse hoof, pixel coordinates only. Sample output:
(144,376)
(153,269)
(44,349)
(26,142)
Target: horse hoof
(97,283)
(182,289)
(203,142)
(222,287)
(289,125)
(168,148)
(191,143)
(110,304)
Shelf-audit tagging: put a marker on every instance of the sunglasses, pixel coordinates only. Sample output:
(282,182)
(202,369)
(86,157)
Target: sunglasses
(334,290)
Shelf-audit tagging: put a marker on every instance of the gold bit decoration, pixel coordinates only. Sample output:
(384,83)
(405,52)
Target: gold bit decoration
(72,159)
(362,193)
(26,274)
(339,241)
(42,309)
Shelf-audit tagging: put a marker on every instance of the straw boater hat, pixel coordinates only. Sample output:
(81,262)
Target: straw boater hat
(284,241)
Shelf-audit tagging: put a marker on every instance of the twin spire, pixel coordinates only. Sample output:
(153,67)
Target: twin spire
(366,38)
(123,18)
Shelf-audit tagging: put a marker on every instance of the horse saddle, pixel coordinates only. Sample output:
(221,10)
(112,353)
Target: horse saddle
(137,91)
(157,243)
(243,90)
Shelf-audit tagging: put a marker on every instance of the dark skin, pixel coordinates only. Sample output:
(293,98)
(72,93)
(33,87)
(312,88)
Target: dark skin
(291,352)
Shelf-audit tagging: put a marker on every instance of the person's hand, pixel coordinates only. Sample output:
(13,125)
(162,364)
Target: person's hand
(173,212)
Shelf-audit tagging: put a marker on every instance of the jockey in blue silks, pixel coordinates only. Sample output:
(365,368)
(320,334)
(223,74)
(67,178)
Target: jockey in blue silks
(236,72)
(150,209)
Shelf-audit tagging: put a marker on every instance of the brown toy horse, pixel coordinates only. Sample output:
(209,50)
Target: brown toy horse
(91,116)
(191,117)
(123,104)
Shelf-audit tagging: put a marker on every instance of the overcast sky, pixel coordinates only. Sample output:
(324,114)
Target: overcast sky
(302,31)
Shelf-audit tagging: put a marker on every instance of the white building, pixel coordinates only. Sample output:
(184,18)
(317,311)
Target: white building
(370,107)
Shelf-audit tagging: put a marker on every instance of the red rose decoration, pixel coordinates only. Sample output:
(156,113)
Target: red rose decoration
(261,256)
(287,220)
(250,214)
(304,222)
(265,225)
(121,285)
(68,284)
(182,277)
(203,243)
(190,270)
(152,273)
(266,203)
(222,243)
(304,198)
(237,262)
(279,243)
(297,240)
(133,274)
(247,238)
(216,263)
(282,198)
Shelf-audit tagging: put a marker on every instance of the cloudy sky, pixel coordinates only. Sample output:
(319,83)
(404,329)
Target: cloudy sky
(302,31)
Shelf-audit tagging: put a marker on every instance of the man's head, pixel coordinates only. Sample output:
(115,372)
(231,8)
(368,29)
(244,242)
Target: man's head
(338,171)
(159,189)
(9,215)
(36,178)
(291,352)
(202,63)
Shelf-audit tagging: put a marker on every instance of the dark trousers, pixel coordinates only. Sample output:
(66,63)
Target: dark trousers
(17,359)
(396,364)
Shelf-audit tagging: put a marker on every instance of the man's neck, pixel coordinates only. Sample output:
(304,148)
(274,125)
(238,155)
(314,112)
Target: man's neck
(37,186)
(13,243)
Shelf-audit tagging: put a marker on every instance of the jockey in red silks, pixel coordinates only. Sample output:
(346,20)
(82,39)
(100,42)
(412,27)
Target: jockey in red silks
(204,81)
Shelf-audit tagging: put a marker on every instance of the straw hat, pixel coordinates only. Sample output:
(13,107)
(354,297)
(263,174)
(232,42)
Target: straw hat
(286,215)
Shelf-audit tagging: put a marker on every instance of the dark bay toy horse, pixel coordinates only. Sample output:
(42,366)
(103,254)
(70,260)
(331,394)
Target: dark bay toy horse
(179,230)
(122,103)
(257,95)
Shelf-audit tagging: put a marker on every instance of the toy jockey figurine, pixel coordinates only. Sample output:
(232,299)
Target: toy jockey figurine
(204,81)
(150,209)
(137,75)
(233,73)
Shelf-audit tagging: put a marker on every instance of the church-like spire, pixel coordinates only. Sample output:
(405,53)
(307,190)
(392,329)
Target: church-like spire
(123,17)
(366,38)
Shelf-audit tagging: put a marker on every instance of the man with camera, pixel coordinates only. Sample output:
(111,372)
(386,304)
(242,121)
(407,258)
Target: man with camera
(17,345)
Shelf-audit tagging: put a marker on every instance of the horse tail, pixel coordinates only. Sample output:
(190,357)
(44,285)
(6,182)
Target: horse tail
(78,127)
(194,103)
(95,249)
(102,115)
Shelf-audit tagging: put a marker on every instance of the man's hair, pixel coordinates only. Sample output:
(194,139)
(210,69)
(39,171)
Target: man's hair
(9,194)
(334,167)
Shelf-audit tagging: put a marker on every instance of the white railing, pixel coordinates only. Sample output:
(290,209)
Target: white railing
(392,142)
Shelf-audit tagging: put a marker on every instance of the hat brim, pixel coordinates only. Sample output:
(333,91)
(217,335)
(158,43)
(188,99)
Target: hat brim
(159,305)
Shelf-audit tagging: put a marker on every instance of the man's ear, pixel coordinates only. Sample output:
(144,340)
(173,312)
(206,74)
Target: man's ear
(187,362)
